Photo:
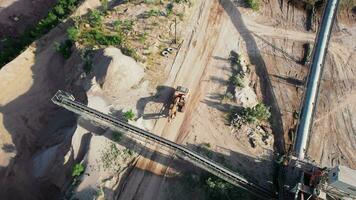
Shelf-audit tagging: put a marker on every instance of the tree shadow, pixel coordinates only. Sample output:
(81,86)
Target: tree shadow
(162,96)
(289,80)
(256,59)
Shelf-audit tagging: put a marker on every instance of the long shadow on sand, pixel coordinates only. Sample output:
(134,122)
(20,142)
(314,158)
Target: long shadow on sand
(256,59)
(241,165)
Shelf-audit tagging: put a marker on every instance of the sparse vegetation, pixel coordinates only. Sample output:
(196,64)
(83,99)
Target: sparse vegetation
(213,187)
(253,4)
(237,80)
(109,158)
(11,47)
(77,170)
(64,48)
(257,113)
(112,157)
(129,115)
(227,96)
(116,136)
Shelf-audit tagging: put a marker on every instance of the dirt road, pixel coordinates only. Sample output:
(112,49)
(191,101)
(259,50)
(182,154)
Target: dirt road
(190,66)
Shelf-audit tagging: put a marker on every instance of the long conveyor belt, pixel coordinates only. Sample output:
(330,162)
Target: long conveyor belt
(67,101)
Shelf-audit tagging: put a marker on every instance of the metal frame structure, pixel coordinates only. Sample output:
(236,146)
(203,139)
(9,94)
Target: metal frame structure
(313,82)
(67,101)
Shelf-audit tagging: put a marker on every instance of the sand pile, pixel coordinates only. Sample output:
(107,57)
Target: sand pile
(115,72)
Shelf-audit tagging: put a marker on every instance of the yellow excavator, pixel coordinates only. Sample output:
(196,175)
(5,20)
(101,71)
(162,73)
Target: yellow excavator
(179,102)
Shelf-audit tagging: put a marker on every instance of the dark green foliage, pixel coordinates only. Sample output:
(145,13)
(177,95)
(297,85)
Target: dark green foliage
(116,136)
(10,48)
(64,48)
(237,80)
(129,115)
(73,33)
(95,18)
(169,9)
(77,170)
(257,113)
(218,189)
(98,37)
(253,4)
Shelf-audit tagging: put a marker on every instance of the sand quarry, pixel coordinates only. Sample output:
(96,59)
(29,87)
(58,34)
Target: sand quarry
(40,142)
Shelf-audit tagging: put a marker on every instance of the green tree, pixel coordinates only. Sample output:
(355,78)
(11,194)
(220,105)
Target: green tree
(77,170)
(253,4)
(129,115)
(257,113)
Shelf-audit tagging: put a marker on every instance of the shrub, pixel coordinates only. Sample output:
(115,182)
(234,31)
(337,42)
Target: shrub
(77,170)
(73,33)
(129,115)
(237,80)
(227,96)
(64,48)
(253,4)
(218,189)
(169,9)
(153,12)
(257,113)
(116,136)
(95,18)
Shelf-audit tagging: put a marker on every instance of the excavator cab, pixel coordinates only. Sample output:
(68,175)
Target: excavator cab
(179,101)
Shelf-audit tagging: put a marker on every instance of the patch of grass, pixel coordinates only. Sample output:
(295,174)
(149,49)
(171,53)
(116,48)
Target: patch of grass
(253,4)
(109,158)
(152,1)
(77,170)
(153,13)
(142,37)
(129,115)
(64,48)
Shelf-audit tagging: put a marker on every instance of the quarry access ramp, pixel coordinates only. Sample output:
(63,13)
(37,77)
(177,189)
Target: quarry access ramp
(68,102)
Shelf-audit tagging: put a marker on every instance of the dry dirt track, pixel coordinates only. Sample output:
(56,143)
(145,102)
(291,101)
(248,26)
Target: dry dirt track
(190,65)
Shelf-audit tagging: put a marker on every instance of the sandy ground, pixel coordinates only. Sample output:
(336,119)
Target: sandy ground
(270,44)
(37,136)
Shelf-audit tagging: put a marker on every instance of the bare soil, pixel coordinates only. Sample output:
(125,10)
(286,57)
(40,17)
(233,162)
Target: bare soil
(37,151)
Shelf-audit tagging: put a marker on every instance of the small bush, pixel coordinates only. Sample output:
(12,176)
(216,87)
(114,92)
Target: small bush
(169,9)
(64,48)
(73,33)
(77,170)
(116,136)
(257,113)
(129,115)
(227,96)
(153,13)
(253,4)
(237,80)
